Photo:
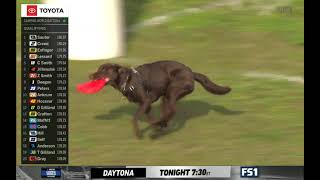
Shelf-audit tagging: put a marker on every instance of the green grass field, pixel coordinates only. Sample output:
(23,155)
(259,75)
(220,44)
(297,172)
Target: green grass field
(261,122)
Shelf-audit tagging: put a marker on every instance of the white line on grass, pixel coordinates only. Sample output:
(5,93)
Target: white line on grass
(297,79)
(166,17)
(262,7)
(22,174)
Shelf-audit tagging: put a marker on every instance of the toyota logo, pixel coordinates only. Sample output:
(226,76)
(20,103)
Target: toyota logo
(32,10)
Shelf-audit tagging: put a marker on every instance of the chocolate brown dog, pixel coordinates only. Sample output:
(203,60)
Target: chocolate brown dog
(145,84)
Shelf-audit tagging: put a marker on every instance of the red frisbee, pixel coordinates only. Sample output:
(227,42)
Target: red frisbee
(92,87)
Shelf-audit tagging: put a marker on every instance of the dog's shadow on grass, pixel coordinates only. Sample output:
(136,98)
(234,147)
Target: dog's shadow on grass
(186,110)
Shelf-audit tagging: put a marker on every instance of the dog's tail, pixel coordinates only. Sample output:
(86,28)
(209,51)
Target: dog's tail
(209,85)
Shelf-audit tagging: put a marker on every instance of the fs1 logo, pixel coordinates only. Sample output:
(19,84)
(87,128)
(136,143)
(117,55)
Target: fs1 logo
(31,10)
(249,172)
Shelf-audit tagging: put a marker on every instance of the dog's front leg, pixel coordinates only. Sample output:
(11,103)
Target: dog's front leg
(141,110)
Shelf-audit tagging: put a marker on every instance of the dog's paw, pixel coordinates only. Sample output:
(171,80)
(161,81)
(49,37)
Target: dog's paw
(160,124)
(154,136)
(158,132)
(163,124)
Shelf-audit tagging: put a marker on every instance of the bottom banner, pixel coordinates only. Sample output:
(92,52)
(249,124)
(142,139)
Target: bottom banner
(163,172)
(159,172)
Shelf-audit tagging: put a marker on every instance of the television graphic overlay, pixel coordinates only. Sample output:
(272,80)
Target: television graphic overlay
(74,122)
(44,30)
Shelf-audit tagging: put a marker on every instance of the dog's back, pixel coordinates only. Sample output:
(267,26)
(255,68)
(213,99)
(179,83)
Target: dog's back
(163,69)
(159,74)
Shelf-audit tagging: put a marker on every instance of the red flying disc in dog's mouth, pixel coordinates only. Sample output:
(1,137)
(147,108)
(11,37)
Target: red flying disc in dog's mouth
(93,86)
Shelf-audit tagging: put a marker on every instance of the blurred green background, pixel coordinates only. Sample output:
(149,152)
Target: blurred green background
(261,122)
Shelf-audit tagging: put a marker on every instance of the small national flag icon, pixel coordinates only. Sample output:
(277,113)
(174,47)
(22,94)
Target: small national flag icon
(32,126)
(32,50)
(33,75)
(33,107)
(32,120)
(33,145)
(33,68)
(33,37)
(33,152)
(32,43)
(33,158)
(33,88)
(33,56)
(32,63)
(32,94)
(32,139)
(33,113)
(33,133)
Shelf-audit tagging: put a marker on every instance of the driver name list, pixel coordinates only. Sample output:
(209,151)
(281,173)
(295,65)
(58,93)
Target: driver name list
(44,88)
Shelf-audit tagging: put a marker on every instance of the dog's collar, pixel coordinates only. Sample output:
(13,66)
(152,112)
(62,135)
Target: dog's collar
(134,70)
(124,85)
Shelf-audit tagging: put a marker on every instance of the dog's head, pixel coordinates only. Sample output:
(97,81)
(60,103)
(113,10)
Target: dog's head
(116,74)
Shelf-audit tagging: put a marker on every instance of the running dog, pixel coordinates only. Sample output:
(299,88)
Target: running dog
(146,83)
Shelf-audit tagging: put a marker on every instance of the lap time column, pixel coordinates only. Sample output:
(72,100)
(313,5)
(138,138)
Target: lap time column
(44,98)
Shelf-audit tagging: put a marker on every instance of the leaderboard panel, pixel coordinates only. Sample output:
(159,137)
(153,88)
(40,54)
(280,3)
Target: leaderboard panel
(44,85)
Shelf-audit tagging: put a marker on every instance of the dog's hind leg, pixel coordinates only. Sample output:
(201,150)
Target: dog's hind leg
(167,111)
(175,92)
(155,123)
